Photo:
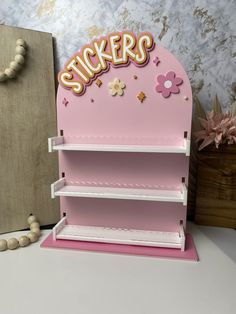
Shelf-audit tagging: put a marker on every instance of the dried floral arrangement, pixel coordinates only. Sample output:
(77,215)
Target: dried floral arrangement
(215,126)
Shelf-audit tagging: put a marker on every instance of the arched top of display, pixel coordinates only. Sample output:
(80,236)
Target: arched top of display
(124,89)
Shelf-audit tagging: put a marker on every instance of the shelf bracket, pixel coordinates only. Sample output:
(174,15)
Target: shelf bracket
(182,236)
(187,146)
(57,186)
(52,141)
(59,226)
(185,194)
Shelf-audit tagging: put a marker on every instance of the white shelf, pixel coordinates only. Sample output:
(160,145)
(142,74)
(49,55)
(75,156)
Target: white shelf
(119,235)
(57,144)
(59,188)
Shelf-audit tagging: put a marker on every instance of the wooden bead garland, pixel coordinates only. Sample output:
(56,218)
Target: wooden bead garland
(3,245)
(32,236)
(16,64)
(12,244)
(36,230)
(23,241)
(34,225)
(31,219)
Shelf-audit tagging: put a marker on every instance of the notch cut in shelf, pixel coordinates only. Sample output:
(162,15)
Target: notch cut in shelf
(119,235)
(61,188)
(58,144)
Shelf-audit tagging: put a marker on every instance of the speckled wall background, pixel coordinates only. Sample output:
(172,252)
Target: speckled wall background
(200,33)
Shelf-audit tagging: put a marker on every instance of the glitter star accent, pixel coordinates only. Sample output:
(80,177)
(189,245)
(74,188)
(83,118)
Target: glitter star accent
(98,83)
(156,61)
(141,96)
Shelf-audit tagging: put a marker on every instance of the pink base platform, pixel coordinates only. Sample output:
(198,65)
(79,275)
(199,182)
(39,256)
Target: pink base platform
(190,252)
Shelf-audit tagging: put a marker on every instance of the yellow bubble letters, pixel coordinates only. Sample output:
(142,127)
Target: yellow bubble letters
(117,49)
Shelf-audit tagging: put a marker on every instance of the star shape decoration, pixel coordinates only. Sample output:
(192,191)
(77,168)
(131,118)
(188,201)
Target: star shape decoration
(141,96)
(98,83)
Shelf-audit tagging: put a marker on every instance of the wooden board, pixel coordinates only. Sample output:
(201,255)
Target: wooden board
(216,187)
(27,119)
(192,181)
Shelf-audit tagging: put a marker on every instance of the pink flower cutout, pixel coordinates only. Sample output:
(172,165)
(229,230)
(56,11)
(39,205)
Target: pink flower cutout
(168,84)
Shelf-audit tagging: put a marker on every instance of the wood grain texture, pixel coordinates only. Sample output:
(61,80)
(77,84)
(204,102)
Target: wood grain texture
(191,205)
(27,119)
(216,187)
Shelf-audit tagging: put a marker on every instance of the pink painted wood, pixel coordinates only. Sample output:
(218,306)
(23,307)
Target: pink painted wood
(126,120)
(189,254)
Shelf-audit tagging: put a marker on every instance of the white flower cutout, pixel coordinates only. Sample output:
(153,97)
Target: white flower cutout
(116,87)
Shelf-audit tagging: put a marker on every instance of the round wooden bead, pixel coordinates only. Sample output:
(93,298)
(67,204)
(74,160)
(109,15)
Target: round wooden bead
(3,245)
(32,236)
(24,241)
(21,42)
(31,219)
(3,77)
(12,244)
(20,50)
(10,73)
(36,230)
(34,225)
(15,66)
(19,58)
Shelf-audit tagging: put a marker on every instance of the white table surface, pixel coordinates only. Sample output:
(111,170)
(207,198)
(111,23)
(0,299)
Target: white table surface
(38,281)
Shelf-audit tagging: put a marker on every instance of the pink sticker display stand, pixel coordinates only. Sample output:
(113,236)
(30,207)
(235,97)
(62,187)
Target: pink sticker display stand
(123,143)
